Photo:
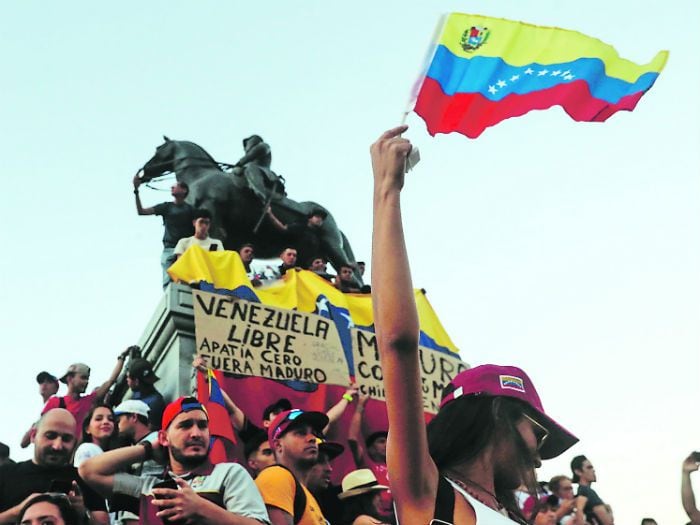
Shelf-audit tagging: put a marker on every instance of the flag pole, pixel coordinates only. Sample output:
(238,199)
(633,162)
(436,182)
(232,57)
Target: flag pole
(425,64)
(414,156)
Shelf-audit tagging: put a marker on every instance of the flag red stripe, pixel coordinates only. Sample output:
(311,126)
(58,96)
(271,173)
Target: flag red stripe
(471,113)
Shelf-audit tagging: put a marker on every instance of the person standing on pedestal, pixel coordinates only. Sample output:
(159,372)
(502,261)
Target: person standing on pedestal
(177,221)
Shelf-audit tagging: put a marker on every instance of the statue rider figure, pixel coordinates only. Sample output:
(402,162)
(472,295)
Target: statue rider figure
(255,167)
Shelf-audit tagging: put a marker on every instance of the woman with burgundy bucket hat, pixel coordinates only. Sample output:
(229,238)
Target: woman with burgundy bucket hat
(491,430)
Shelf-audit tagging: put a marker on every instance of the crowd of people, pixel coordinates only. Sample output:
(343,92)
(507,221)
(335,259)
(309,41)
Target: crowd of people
(142,460)
(185,226)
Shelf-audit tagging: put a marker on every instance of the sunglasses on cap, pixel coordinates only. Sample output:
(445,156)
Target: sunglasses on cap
(293,414)
(541,433)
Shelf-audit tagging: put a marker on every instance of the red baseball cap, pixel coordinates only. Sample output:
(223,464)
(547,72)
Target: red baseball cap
(511,381)
(284,420)
(180,405)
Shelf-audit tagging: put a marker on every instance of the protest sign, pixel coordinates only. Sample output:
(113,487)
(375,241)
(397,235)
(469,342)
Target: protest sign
(255,339)
(437,369)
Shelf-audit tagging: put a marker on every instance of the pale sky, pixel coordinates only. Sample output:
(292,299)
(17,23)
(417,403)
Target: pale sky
(569,249)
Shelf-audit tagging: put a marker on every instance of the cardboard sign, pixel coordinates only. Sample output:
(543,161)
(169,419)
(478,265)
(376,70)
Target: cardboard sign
(254,339)
(437,369)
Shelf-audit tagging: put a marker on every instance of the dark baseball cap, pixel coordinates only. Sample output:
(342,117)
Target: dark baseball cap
(330,448)
(290,418)
(281,405)
(142,370)
(43,377)
(374,436)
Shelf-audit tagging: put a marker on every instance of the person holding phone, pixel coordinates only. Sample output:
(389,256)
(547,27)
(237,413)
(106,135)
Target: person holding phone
(690,465)
(50,471)
(195,490)
(201,223)
(491,430)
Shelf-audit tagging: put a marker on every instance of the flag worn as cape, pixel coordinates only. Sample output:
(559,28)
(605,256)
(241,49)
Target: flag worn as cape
(485,70)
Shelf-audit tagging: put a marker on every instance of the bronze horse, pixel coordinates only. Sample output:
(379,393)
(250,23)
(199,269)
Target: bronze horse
(235,208)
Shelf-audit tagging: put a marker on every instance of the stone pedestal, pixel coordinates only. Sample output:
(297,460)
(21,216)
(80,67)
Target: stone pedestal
(168,342)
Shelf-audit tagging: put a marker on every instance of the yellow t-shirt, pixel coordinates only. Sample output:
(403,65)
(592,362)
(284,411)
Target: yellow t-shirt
(277,486)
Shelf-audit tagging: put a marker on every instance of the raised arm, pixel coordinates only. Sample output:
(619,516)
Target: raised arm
(11,515)
(690,464)
(101,390)
(27,437)
(236,415)
(355,440)
(139,208)
(397,329)
(276,223)
(336,411)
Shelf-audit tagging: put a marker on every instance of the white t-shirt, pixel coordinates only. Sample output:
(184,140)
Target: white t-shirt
(86,451)
(206,244)
(484,515)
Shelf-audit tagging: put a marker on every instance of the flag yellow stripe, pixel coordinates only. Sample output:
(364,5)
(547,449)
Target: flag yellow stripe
(298,290)
(520,44)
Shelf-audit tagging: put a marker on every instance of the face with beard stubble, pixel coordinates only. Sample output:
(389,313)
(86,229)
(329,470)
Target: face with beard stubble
(55,438)
(187,438)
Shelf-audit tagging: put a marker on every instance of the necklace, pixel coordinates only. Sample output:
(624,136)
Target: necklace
(494,504)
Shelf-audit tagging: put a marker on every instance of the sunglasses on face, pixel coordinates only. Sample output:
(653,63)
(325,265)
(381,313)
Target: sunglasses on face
(541,433)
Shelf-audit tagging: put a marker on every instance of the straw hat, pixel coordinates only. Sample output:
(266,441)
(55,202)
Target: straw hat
(360,482)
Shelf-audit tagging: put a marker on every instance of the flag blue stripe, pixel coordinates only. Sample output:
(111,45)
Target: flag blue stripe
(483,74)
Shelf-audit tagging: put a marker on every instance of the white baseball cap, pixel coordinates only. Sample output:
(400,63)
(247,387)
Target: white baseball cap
(132,406)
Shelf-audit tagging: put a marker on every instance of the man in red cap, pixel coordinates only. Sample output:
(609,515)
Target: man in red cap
(193,490)
(293,436)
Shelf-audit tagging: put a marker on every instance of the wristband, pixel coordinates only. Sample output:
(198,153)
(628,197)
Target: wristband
(347,397)
(148,447)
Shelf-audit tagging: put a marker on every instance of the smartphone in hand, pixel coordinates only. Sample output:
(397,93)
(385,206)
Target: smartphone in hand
(166,484)
(63,486)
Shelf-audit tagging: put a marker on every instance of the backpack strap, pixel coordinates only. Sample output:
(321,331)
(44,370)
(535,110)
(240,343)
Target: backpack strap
(444,502)
(61,402)
(299,495)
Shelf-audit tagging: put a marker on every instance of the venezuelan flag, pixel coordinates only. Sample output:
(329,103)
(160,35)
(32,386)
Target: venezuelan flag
(485,70)
(223,272)
(223,439)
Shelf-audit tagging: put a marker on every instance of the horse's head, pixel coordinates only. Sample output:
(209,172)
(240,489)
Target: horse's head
(163,161)
(176,155)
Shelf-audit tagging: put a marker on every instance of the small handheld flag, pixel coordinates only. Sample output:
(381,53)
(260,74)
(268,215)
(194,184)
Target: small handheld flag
(485,70)
(220,428)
